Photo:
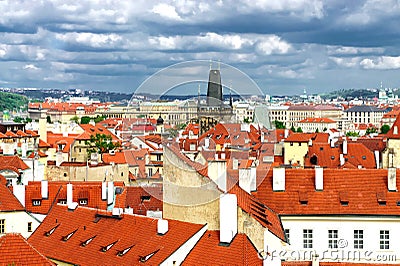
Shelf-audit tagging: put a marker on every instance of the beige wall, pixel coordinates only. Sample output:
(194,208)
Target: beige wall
(393,145)
(295,152)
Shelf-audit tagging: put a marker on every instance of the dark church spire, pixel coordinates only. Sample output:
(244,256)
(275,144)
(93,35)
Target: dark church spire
(214,90)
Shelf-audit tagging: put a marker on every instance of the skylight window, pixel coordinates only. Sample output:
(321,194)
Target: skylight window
(67,237)
(123,252)
(106,248)
(147,257)
(48,233)
(87,241)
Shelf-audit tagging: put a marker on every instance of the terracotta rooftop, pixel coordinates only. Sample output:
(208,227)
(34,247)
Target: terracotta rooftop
(394,132)
(8,202)
(208,251)
(15,250)
(361,198)
(57,191)
(317,120)
(87,236)
(13,163)
(143,199)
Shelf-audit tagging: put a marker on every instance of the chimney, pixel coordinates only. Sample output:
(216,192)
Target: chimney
(376,153)
(104,190)
(69,194)
(315,260)
(319,178)
(19,193)
(110,193)
(345,146)
(206,142)
(310,143)
(45,189)
(245,179)
(228,225)
(395,130)
(235,164)
(59,158)
(117,211)
(24,148)
(162,226)
(286,133)
(65,133)
(392,182)
(217,173)
(253,179)
(341,159)
(278,179)
(262,137)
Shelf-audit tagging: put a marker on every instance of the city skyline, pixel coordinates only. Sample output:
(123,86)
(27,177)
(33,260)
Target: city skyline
(284,46)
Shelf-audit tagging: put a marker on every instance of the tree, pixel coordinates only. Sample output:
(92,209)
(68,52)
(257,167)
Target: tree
(101,143)
(246,120)
(385,129)
(279,124)
(352,134)
(85,120)
(371,130)
(99,118)
(18,119)
(28,120)
(75,119)
(325,129)
(299,130)
(293,129)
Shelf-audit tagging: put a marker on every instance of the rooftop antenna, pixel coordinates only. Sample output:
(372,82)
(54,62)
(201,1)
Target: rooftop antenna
(210,64)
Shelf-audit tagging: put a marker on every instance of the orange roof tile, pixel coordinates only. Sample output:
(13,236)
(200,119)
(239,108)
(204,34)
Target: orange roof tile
(394,132)
(117,157)
(362,198)
(15,250)
(317,120)
(43,144)
(57,191)
(142,199)
(12,163)
(240,251)
(112,240)
(8,202)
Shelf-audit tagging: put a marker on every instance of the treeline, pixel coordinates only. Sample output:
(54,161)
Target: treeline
(11,101)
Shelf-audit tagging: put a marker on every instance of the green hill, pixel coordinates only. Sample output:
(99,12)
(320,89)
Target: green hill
(11,101)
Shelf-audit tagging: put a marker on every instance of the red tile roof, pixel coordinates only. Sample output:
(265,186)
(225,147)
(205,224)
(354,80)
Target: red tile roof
(13,163)
(362,198)
(142,199)
(15,250)
(333,263)
(392,134)
(43,144)
(299,137)
(54,139)
(134,234)
(8,202)
(317,120)
(117,158)
(93,130)
(57,190)
(208,251)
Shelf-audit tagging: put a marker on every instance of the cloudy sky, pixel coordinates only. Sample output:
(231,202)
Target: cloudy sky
(285,46)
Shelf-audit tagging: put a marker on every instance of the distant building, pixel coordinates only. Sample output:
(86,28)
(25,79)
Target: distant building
(365,114)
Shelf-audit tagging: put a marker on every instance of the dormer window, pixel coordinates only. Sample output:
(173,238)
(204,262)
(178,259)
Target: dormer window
(87,241)
(83,201)
(48,233)
(123,252)
(67,237)
(147,257)
(106,248)
(36,202)
(62,201)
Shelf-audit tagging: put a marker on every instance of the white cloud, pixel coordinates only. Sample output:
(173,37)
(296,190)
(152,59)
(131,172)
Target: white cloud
(94,40)
(346,62)
(382,63)
(349,50)
(31,67)
(272,45)
(166,11)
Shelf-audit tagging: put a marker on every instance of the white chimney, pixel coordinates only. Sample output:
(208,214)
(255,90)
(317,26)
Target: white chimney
(45,189)
(65,133)
(110,193)
(376,153)
(235,164)
(103,190)
(319,178)
(216,156)
(59,158)
(69,194)
(395,130)
(217,173)
(310,142)
(206,143)
(392,183)
(222,155)
(262,137)
(228,225)
(315,260)
(245,179)
(341,159)
(278,179)
(73,206)
(345,146)
(19,193)
(117,211)
(128,210)
(286,133)
(162,226)
(253,179)
(24,148)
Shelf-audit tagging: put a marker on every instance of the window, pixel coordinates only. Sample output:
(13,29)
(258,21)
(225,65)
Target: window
(150,171)
(36,202)
(192,148)
(307,238)
(29,226)
(287,234)
(83,202)
(384,239)
(358,239)
(2,226)
(62,201)
(332,238)
(291,143)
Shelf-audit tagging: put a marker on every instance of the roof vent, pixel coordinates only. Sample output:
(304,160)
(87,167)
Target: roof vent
(148,256)
(162,227)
